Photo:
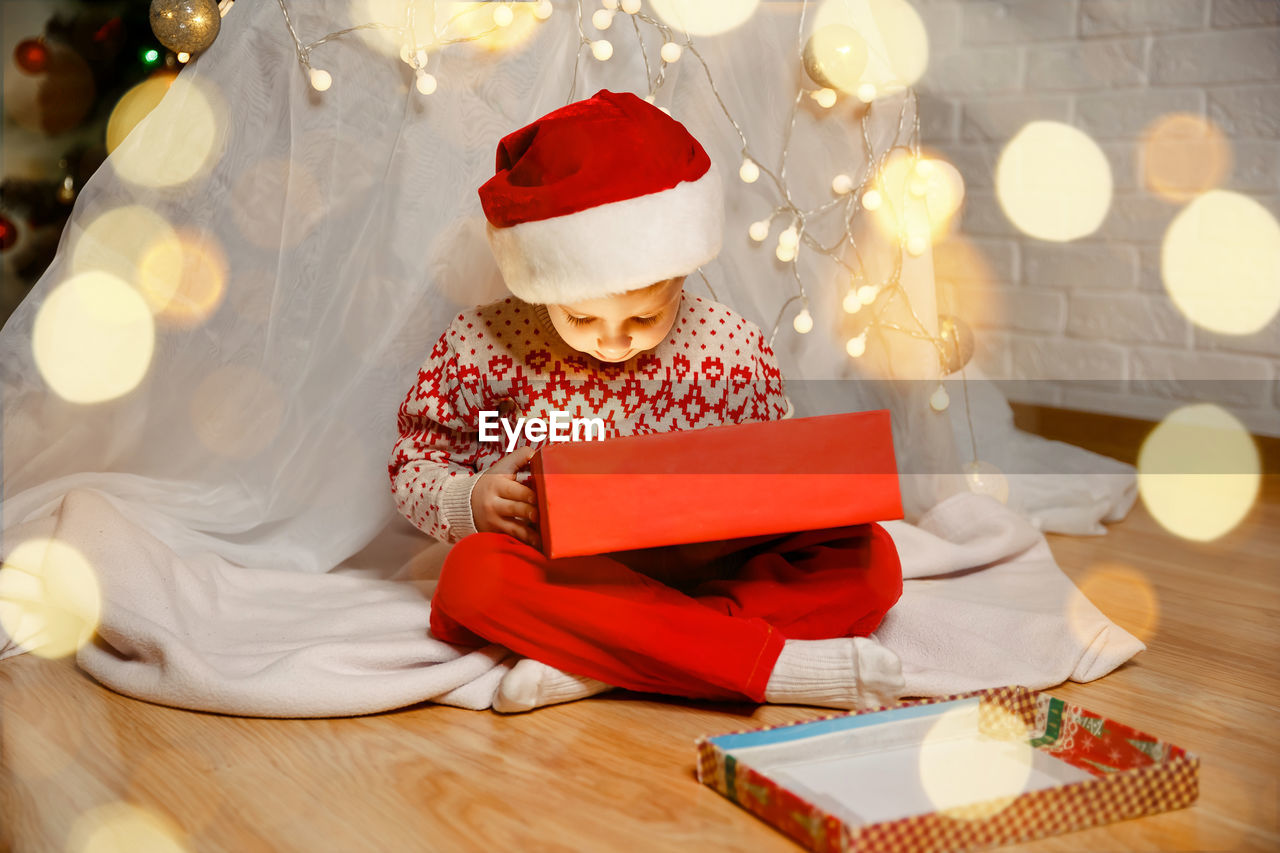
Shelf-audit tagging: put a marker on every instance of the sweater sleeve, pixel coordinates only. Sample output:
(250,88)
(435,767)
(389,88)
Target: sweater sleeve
(770,403)
(432,465)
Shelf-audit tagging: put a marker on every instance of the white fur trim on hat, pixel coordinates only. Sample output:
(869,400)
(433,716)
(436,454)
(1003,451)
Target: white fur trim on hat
(615,247)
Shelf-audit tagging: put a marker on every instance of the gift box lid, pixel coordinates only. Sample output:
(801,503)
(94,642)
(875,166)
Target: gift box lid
(961,772)
(715,483)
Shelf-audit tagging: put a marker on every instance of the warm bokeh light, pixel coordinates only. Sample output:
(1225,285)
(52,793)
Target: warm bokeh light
(475,21)
(1123,594)
(93,338)
(972,773)
(181,145)
(921,196)
(1220,262)
(236,411)
(896,41)
(1184,155)
(1054,182)
(183,278)
(704,17)
(1199,472)
(134,106)
(116,241)
(49,597)
(394,14)
(836,56)
(122,827)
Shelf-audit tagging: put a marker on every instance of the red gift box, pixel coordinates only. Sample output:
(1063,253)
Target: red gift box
(715,483)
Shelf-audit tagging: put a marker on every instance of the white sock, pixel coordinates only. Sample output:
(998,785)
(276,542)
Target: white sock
(851,673)
(531,684)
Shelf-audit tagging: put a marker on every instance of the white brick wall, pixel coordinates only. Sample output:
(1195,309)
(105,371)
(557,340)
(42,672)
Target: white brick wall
(1095,309)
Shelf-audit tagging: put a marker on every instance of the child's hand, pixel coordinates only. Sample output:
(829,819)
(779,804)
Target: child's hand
(501,503)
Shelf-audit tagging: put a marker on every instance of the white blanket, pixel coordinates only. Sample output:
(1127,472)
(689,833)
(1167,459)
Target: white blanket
(984,604)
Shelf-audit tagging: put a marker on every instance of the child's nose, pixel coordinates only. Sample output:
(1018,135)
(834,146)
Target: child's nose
(614,341)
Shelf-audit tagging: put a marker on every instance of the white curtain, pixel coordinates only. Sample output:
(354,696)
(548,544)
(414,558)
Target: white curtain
(253,452)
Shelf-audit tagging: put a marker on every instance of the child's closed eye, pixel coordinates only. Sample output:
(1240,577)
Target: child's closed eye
(587,321)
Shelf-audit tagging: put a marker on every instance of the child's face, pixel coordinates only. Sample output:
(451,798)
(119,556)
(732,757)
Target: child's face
(616,328)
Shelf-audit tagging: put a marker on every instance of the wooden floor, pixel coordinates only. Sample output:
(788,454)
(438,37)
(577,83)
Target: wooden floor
(616,772)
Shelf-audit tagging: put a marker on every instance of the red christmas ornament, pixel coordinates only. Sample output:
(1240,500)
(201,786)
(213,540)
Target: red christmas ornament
(8,233)
(31,55)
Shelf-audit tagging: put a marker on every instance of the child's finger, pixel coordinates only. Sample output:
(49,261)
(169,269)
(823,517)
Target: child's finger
(511,490)
(517,509)
(519,531)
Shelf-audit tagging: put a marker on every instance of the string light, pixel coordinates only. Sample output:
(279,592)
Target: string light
(866,93)
(503,16)
(611,5)
(602,19)
(602,49)
(426,83)
(759,231)
(671,52)
(543,10)
(857,345)
(851,303)
(631,6)
(867,293)
(939,400)
(826,98)
(803,323)
(871,199)
(749,171)
(184,57)
(841,184)
(321,80)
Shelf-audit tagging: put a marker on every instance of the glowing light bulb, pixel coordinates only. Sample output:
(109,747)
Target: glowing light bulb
(826,98)
(671,51)
(785,254)
(918,186)
(611,5)
(841,184)
(803,322)
(867,93)
(602,49)
(503,16)
(916,245)
(601,19)
(630,6)
(857,345)
(789,238)
(759,231)
(321,80)
(426,82)
(183,56)
(924,168)
(749,171)
(543,10)
(871,199)
(868,293)
(939,400)
(851,304)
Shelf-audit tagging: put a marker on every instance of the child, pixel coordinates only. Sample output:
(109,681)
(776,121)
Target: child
(597,213)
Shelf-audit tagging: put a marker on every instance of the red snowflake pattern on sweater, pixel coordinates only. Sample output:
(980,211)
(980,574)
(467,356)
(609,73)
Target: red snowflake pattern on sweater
(713,368)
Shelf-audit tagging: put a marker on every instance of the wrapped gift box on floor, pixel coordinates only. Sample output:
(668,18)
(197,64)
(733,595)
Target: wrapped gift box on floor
(722,482)
(960,772)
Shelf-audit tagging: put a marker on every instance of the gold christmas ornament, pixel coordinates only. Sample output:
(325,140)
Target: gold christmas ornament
(835,57)
(957,343)
(185,26)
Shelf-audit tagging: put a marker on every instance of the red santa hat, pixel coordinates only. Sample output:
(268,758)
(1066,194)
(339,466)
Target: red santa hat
(599,197)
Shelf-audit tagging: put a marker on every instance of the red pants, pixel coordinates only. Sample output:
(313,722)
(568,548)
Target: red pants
(711,628)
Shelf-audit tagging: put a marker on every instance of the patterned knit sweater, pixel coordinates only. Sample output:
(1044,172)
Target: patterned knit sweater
(713,368)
